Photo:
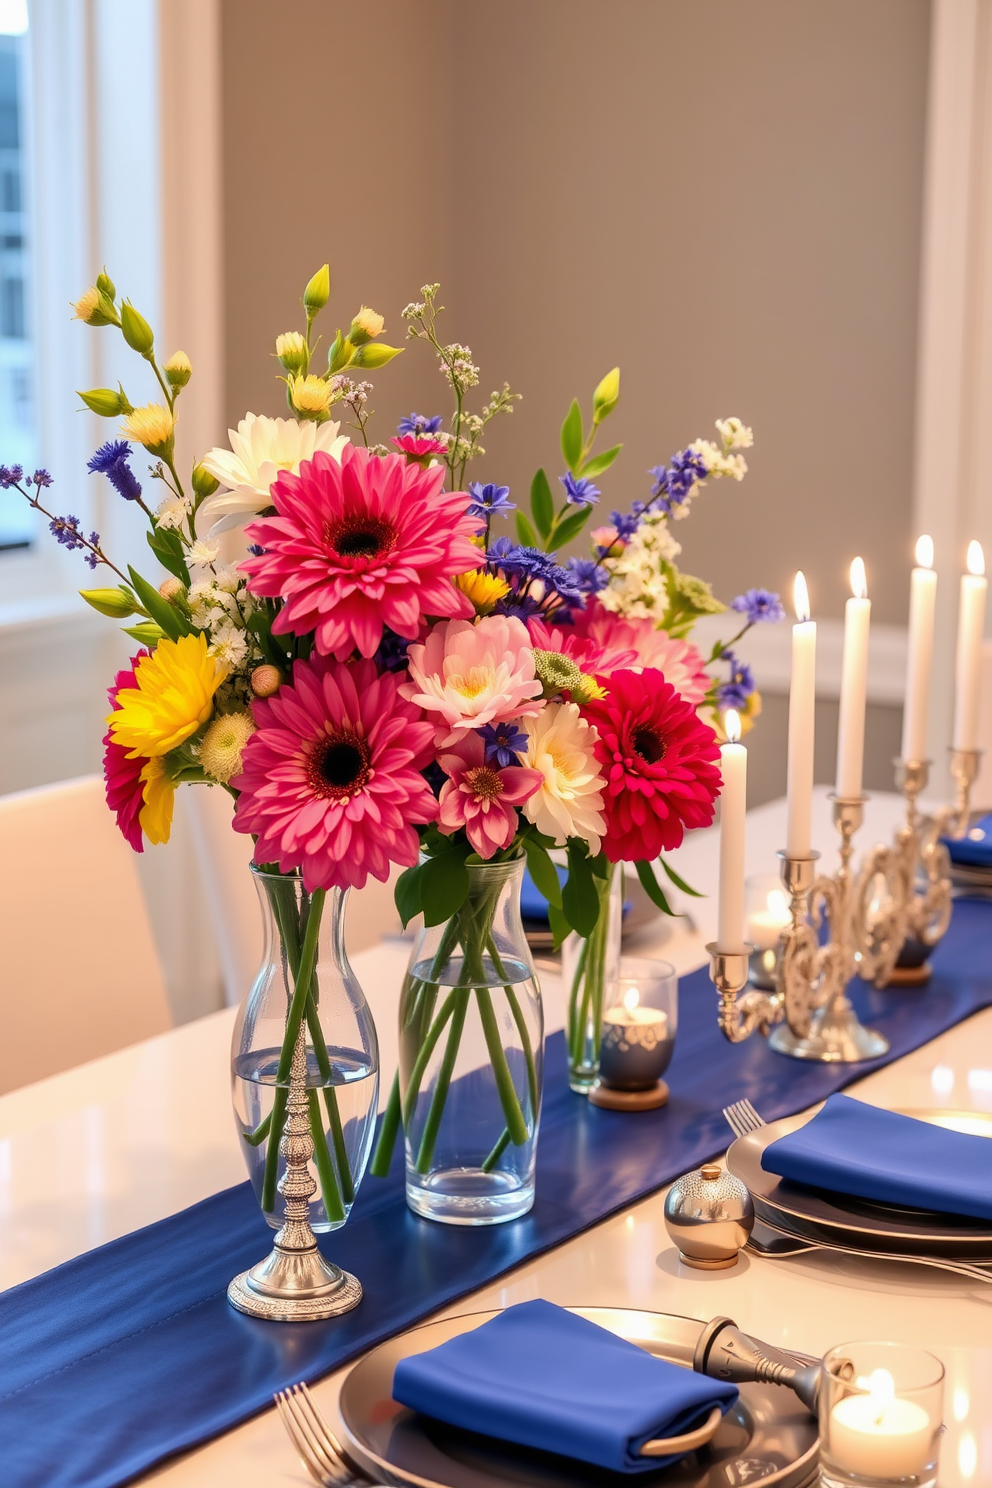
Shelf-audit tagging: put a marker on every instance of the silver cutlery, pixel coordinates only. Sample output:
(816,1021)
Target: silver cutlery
(742,1118)
(783,1243)
(319,1449)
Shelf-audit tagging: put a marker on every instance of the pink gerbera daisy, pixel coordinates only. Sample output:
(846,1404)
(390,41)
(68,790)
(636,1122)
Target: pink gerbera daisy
(367,542)
(122,775)
(331,781)
(420,448)
(681,663)
(658,760)
(481,797)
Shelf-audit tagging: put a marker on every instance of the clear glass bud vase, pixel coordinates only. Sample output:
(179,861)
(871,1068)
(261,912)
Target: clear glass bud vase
(588,964)
(471,1058)
(305,977)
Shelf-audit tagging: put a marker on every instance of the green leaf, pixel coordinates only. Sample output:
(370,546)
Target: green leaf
(260,625)
(444,885)
(168,549)
(559,925)
(541,504)
(543,871)
(579,897)
(602,462)
(571,436)
(407,893)
(525,532)
(158,608)
(570,526)
(653,889)
(680,883)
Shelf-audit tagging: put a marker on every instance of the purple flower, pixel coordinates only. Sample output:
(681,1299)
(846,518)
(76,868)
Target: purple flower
(674,482)
(503,741)
(758,605)
(735,692)
(625,524)
(489,500)
(10,475)
(539,585)
(391,655)
(579,490)
(416,423)
(66,531)
(111,460)
(40,478)
(589,575)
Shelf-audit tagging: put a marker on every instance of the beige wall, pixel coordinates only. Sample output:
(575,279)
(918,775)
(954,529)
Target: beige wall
(724,196)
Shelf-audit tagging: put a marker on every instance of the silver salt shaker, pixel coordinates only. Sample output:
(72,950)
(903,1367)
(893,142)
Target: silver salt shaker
(709,1215)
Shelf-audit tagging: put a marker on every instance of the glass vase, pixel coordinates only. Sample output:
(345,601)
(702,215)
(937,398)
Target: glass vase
(588,964)
(305,979)
(471,1058)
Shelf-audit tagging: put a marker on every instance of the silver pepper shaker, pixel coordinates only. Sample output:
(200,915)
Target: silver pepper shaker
(709,1215)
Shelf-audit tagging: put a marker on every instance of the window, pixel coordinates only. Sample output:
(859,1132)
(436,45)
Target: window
(18,431)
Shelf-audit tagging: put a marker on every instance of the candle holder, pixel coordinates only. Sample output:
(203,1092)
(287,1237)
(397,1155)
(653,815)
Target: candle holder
(904,890)
(639,1026)
(965,764)
(881,1416)
(738,1016)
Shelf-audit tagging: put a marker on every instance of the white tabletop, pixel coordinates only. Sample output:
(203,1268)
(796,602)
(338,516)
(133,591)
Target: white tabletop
(125,1140)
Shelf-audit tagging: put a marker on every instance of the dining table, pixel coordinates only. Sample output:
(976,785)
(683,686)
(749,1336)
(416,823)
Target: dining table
(93,1153)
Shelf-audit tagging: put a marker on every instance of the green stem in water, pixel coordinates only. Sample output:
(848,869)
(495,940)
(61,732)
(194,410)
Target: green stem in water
(504,1141)
(388,1132)
(436,1111)
(516,1125)
(257,1137)
(423,1056)
(333,1206)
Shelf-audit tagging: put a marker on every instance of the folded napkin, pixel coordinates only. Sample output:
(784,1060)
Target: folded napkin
(542,1377)
(974,850)
(851,1148)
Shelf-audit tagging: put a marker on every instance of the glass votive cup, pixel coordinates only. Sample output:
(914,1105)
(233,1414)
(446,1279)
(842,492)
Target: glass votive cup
(766,915)
(881,1416)
(640,1021)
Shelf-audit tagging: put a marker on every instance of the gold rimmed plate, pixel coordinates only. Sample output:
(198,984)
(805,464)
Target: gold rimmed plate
(767,1439)
(860,1222)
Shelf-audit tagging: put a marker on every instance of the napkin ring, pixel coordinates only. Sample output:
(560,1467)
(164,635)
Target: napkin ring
(667,1446)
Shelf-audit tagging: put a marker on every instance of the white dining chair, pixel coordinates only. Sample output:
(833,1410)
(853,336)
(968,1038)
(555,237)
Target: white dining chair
(224,856)
(79,974)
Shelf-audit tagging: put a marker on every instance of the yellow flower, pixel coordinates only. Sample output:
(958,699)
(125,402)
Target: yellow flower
(87,303)
(178,369)
(151,425)
(366,325)
(174,696)
(158,793)
(310,395)
(95,308)
(291,349)
(220,752)
(483,589)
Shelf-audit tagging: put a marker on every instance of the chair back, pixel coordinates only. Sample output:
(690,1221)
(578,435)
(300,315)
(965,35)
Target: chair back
(79,975)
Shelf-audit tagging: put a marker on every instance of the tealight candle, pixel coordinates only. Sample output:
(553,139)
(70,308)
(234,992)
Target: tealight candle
(764,926)
(881,1410)
(878,1435)
(635,1048)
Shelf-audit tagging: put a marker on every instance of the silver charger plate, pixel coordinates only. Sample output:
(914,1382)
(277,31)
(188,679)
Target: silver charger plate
(767,1439)
(860,1222)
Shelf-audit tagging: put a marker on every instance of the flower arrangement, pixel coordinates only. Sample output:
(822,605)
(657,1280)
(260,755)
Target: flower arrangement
(386,677)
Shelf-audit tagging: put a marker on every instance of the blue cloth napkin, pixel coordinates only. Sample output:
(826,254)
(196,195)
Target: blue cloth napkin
(972,851)
(543,1377)
(860,1150)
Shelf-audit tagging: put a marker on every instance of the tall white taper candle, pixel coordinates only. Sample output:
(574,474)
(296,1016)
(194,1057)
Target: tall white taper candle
(922,600)
(802,715)
(971,623)
(733,804)
(853,687)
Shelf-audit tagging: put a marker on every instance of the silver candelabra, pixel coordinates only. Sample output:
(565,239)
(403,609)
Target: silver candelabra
(294,1284)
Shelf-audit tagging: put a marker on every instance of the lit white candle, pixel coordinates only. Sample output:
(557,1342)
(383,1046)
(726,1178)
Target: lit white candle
(922,601)
(853,687)
(878,1435)
(733,804)
(971,623)
(802,713)
(764,926)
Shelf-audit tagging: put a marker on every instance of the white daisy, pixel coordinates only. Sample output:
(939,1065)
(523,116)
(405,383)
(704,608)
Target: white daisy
(261,449)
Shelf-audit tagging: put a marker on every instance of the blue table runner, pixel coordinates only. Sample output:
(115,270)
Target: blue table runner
(130,1353)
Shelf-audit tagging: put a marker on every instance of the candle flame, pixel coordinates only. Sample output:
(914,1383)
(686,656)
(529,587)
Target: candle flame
(778,905)
(631,998)
(732,725)
(976,558)
(801,597)
(859,579)
(924,552)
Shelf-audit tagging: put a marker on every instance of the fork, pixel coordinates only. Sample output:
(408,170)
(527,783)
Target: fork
(784,1243)
(742,1118)
(320,1451)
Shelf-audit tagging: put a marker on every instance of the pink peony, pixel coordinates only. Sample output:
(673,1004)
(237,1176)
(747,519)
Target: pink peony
(331,781)
(659,764)
(681,663)
(369,542)
(122,776)
(480,797)
(475,674)
(589,655)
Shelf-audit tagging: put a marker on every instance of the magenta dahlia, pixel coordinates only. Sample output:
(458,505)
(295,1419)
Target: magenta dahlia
(679,660)
(658,760)
(331,781)
(122,776)
(360,544)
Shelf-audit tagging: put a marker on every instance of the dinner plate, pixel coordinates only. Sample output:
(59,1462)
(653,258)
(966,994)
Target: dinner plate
(768,1438)
(852,1221)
